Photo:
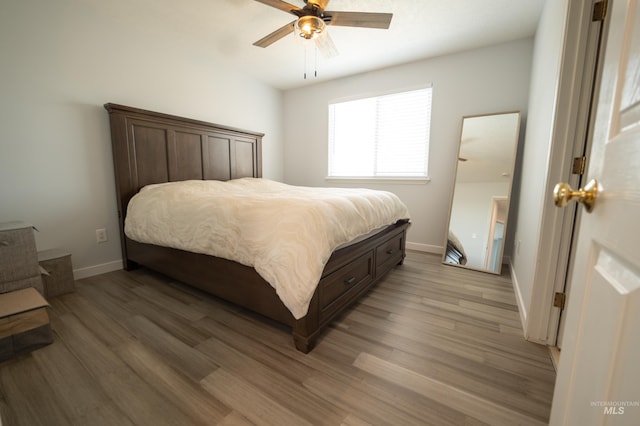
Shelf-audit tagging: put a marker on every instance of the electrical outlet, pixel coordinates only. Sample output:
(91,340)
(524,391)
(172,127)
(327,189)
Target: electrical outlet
(101,235)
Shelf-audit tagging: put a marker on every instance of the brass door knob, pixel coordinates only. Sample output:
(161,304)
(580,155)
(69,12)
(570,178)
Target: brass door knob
(563,193)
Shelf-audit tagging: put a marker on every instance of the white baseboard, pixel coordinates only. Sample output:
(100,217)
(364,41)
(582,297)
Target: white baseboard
(91,271)
(424,248)
(522,309)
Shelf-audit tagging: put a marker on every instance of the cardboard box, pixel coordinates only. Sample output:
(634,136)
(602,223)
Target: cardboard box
(57,272)
(24,322)
(18,258)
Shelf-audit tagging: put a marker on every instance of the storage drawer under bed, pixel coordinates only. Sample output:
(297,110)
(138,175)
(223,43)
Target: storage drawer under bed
(343,285)
(389,254)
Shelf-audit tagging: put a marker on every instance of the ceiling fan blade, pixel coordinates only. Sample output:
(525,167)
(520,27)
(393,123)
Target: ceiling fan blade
(325,45)
(322,4)
(359,19)
(282,5)
(276,35)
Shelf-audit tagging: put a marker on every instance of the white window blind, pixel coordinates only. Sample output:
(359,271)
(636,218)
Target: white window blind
(381,137)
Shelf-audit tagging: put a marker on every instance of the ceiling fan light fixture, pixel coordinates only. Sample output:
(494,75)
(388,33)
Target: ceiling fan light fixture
(309,27)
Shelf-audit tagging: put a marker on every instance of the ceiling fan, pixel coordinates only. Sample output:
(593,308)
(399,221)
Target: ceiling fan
(312,20)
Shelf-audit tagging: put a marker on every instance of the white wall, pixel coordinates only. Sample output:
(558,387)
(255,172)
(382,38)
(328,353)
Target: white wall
(488,80)
(544,77)
(61,61)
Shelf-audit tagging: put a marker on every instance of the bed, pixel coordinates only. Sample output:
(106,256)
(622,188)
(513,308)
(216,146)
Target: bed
(154,148)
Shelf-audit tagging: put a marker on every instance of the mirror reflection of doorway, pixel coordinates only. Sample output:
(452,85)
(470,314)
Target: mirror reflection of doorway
(499,211)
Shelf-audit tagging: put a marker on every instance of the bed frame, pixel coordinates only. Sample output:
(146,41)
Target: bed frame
(150,147)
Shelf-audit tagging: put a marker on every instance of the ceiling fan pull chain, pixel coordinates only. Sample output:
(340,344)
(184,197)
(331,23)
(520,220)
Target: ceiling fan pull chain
(306,53)
(305,62)
(315,66)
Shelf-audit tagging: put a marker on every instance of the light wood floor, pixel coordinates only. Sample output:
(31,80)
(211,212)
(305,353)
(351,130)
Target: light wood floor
(430,344)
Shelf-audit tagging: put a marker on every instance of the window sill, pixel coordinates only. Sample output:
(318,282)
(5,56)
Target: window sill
(399,180)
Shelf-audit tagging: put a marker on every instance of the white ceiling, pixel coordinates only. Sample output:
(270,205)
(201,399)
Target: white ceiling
(419,29)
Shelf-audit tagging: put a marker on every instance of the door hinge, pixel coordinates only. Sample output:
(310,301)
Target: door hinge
(558,300)
(599,11)
(579,164)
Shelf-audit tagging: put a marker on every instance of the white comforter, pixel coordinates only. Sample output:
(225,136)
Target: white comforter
(287,233)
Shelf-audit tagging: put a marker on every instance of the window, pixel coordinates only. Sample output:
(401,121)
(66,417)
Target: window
(381,137)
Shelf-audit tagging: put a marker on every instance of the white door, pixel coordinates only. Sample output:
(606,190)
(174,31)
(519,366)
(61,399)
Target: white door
(598,378)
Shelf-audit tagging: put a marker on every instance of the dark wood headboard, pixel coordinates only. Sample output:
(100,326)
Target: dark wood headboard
(151,147)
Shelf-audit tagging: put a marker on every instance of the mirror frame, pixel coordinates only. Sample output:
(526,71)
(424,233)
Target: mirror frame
(508,195)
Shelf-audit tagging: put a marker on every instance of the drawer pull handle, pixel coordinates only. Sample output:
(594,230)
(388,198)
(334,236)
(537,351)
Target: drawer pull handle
(390,251)
(5,243)
(350,281)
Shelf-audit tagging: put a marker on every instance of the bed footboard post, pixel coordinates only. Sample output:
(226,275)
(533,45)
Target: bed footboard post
(305,330)
(404,246)
(303,344)
(303,337)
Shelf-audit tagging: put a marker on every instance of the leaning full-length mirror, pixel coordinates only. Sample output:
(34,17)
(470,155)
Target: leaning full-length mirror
(482,191)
